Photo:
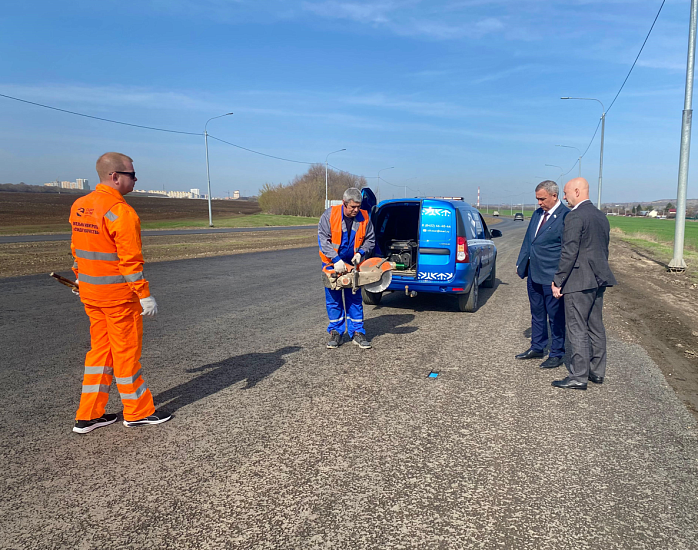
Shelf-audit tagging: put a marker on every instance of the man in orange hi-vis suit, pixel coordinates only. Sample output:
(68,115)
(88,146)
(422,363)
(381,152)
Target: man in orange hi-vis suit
(106,245)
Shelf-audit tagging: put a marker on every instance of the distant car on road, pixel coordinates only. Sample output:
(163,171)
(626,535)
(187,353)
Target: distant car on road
(495,213)
(518,216)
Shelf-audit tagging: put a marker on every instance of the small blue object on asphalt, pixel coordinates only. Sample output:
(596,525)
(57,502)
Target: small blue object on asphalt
(433,374)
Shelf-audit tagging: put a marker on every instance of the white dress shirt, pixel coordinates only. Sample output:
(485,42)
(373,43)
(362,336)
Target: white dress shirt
(580,202)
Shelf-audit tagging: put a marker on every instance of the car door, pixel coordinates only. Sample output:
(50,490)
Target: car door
(488,246)
(437,241)
(368,200)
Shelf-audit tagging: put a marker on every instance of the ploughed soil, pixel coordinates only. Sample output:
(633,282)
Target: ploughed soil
(659,311)
(18,259)
(48,209)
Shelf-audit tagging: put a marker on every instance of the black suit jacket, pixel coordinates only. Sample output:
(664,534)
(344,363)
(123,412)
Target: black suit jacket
(584,258)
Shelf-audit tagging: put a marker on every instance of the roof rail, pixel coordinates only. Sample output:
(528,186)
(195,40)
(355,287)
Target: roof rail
(447,198)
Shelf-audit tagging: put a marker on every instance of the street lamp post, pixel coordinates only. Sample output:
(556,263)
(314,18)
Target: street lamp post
(378,185)
(327,202)
(579,160)
(562,170)
(677,262)
(208,175)
(603,127)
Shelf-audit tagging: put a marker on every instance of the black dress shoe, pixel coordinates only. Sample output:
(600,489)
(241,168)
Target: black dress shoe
(530,354)
(595,379)
(569,384)
(551,363)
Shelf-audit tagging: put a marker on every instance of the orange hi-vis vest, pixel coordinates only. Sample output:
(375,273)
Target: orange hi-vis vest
(358,228)
(106,245)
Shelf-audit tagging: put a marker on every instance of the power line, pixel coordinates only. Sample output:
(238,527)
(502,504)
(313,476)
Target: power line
(99,118)
(352,174)
(622,85)
(166,130)
(398,185)
(638,56)
(258,153)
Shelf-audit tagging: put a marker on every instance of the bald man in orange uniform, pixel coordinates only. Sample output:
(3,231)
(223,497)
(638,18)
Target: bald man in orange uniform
(106,245)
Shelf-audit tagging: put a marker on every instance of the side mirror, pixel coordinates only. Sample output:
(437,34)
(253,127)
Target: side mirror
(495,233)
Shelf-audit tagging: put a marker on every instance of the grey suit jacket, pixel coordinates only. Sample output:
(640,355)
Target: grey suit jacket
(584,258)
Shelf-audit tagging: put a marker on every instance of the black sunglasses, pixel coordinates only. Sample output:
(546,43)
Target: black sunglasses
(131,174)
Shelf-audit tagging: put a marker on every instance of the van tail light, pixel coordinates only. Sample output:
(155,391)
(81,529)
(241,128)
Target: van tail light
(462,255)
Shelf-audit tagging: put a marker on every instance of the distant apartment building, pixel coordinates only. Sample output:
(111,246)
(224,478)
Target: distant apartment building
(151,191)
(179,194)
(78,184)
(236,194)
(195,193)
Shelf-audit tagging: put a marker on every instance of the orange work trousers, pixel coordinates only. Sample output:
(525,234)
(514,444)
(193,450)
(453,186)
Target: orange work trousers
(117,340)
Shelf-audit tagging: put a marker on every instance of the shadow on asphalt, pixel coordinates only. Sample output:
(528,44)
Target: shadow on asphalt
(215,377)
(431,301)
(389,324)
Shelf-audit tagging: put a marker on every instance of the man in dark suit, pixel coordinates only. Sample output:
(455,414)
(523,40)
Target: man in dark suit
(582,276)
(538,259)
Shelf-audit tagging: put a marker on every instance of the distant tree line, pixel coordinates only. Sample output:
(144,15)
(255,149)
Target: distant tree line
(305,195)
(22,187)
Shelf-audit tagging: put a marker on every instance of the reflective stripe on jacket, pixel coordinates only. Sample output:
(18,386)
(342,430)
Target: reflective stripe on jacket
(358,229)
(106,245)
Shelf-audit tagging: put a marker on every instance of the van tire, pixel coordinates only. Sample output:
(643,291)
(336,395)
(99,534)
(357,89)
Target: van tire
(468,302)
(489,282)
(371,298)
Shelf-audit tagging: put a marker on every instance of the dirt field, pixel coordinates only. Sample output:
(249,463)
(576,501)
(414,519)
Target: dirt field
(659,311)
(43,257)
(49,212)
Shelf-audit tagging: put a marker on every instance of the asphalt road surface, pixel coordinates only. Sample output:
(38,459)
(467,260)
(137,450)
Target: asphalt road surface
(277,442)
(149,233)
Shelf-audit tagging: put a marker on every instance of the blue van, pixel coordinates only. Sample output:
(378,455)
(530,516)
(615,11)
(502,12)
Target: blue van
(439,245)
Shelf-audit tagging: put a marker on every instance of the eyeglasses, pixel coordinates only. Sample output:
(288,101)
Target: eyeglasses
(132,175)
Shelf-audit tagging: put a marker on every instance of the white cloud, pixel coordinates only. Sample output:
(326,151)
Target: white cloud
(374,12)
(503,74)
(97,97)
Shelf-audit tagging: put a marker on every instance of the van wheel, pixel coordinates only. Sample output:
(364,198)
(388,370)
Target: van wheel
(489,282)
(371,298)
(468,302)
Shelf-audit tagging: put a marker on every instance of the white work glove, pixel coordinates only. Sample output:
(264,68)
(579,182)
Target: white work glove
(150,306)
(340,267)
(356,260)
(74,291)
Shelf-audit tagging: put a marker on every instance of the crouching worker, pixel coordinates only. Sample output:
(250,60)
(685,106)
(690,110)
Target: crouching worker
(345,236)
(106,245)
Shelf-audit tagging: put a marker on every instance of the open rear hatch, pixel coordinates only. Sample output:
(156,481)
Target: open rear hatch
(397,235)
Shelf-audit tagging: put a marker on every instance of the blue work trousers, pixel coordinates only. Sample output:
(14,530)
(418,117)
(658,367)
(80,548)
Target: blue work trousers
(336,309)
(545,307)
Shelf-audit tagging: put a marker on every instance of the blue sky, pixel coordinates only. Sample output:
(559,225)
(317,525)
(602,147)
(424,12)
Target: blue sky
(453,94)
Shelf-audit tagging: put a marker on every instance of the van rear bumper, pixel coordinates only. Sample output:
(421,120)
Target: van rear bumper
(460,284)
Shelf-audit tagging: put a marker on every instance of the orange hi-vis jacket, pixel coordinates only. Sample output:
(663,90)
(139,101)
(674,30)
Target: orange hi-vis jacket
(106,245)
(358,228)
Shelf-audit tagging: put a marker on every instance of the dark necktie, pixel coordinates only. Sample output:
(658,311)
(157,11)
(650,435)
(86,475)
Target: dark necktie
(545,218)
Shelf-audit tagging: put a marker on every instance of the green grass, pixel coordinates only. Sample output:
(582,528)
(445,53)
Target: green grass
(649,229)
(252,220)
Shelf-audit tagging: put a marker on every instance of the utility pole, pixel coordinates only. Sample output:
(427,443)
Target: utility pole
(327,200)
(208,174)
(677,263)
(603,129)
